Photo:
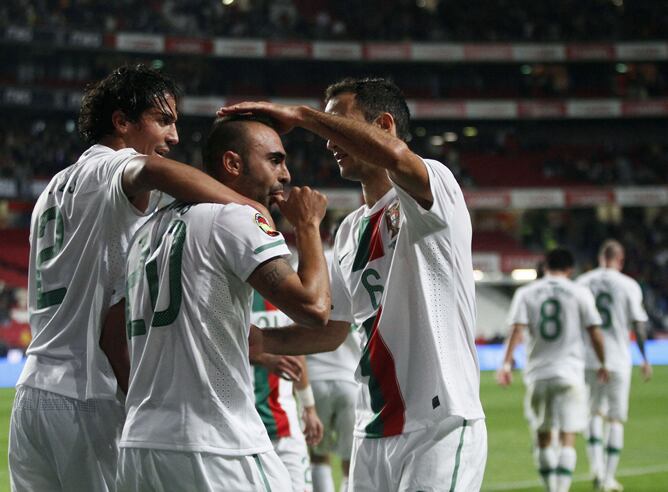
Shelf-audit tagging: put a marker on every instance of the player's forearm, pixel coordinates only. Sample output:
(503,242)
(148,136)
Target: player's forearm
(301,340)
(514,339)
(113,343)
(641,336)
(303,382)
(597,343)
(359,139)
(312,271)
(183,182)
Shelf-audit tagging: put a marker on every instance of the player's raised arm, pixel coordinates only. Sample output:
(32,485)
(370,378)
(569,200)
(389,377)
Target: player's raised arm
(375,142)
(304,295)
(183,182)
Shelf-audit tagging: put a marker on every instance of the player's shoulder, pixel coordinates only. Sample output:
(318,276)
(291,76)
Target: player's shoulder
(588,276)
(627,281)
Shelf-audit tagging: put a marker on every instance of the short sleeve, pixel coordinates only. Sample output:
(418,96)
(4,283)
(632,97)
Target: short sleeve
(636,308)
(246,239)
(447,197)
(114,169)
(588,311)
(518,314)
(342,309)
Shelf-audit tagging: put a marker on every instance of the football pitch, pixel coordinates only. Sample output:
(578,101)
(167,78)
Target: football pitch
(644,462)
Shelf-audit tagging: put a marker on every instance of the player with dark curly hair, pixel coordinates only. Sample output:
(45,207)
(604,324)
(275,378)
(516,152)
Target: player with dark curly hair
(67,414)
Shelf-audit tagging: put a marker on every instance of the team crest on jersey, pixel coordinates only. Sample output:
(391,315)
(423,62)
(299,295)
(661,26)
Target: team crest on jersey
(263,224)
(393,219)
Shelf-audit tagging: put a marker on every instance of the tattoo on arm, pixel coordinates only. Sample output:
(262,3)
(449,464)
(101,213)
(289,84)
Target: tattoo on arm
(275,272)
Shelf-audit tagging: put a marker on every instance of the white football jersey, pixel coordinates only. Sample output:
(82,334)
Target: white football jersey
(79,234)
(339,364)
(556,311)
(404,276)
(188,321)
(619,301)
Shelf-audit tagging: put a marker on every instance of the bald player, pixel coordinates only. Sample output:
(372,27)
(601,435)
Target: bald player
(619,301)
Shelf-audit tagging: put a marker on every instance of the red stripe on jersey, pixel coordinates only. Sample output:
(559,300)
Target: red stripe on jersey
(268,306)
(393,413)
(280,417)
(376,245)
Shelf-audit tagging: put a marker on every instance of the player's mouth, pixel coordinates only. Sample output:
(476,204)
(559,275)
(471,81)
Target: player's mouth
(275,195)
(162,151)
(339,156)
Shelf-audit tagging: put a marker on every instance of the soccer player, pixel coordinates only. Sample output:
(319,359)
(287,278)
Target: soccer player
(402,272)
(67,418)
(554,311)
(619,301)
(191,270)
(274,378)
(332,376)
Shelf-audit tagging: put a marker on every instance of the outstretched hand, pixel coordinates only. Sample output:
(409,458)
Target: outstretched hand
(285,117)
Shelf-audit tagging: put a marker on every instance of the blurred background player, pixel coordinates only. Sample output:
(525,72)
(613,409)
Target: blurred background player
(67,416)
(620,303)
(401,271)
(274,379)
(332,376)
(555,311)
(191,274)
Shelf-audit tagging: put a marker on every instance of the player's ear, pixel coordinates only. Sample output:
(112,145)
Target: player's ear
(232,163)
(385,121)
(120,121)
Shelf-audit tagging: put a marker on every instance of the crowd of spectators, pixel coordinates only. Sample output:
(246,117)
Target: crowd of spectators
(418,20)
(37,146)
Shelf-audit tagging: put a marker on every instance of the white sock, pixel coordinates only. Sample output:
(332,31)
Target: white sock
(344,484)
(595,446)
(321,474)
(613,449)
(567,459)
(547,464)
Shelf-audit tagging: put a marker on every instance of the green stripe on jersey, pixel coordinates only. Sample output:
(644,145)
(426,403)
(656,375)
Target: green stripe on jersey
(269,246)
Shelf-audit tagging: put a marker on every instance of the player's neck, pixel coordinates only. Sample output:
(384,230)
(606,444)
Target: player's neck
(375,189)
(113,142)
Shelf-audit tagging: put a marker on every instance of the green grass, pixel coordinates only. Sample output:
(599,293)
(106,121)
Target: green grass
(643,466)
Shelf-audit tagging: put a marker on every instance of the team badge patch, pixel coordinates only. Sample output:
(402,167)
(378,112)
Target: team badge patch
(263,224)
(393,219)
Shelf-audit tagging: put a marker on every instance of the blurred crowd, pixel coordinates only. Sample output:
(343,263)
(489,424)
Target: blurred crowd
(37,146)
(428,20)
(643,232)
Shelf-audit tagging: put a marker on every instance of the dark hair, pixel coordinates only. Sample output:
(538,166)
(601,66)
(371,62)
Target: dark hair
(559,259)
(229,133)
(373,97)
(130,89)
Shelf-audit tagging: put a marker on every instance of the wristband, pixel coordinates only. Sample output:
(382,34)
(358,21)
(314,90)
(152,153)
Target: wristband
(306,397)
(507,366)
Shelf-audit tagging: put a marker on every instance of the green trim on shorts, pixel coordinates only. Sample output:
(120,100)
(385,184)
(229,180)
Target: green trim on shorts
(611,450)
(458,456)
(594,440)
(564,471)
(268,246)
(264,477)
